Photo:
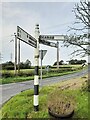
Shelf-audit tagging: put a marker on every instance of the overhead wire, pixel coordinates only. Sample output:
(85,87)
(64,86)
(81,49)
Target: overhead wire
(58,25)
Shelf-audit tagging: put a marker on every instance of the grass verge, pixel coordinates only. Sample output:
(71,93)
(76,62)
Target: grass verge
(21,105)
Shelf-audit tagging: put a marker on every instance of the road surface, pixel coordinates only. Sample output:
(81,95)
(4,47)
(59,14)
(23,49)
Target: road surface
(9,90)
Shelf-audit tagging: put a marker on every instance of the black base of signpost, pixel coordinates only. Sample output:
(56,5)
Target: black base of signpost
(36,108)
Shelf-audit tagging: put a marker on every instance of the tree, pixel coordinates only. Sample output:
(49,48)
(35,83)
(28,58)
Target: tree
(8,65)
(81,29)
(22,65)
(73,62)
(60,62)
(27,64)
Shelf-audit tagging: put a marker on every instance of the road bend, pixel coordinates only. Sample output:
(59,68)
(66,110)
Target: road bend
(9,90)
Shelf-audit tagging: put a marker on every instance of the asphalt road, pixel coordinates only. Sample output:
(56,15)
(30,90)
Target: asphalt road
(9,90)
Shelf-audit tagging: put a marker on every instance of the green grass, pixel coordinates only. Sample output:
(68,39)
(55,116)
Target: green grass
(21,105)
(22,78)
(15,79)
(28,74)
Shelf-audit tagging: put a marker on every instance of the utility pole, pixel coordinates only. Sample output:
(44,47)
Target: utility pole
(0,56)
(41,62)
(57,54)
(18,56)
(15,64)
(36,76)
(0,60)
(11,56)
(0,64)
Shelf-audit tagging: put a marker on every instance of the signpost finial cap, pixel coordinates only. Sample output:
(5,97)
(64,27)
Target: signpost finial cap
(37,26)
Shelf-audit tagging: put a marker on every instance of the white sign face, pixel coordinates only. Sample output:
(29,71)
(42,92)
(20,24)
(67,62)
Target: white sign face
(52,37)
(25,37)
(42,53)
(59,37)
(52,44)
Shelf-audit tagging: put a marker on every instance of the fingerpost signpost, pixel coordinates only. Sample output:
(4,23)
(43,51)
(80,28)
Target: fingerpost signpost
(34,42)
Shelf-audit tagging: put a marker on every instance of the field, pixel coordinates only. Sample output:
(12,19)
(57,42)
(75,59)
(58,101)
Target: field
(21,106)
(28,74)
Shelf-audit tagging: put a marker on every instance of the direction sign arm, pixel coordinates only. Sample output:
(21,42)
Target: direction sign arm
(52,44)
(25,37)
(52,37)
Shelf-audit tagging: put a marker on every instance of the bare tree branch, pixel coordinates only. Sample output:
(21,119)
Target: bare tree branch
(82,14)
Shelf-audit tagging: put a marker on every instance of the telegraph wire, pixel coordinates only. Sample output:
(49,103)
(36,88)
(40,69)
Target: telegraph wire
(58,25)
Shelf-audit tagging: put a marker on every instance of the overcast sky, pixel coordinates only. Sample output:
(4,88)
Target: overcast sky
(53,18)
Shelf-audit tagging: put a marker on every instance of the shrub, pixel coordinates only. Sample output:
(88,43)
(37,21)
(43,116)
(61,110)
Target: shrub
(26,73)
(86,86)
(61,103)
(9,67)
(7,74)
